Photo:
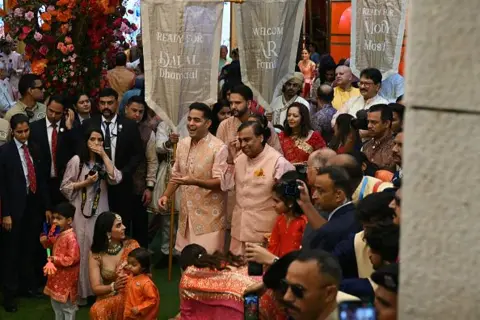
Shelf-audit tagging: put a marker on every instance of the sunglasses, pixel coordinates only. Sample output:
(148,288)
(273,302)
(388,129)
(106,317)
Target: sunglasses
(297,290)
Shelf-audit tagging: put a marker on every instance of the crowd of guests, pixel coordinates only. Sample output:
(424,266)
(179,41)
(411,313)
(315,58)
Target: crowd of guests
(308,189)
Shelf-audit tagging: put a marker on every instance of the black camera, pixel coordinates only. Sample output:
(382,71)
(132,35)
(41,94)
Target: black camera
(290,189)
(97,168)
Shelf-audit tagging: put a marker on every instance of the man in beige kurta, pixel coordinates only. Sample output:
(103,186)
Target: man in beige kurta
(253,175)
(199,170)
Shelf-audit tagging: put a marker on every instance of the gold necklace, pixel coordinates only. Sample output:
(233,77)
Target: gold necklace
(114,249)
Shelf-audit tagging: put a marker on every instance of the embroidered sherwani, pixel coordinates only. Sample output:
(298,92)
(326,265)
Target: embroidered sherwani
(253,179)
(202,213)
(63,285)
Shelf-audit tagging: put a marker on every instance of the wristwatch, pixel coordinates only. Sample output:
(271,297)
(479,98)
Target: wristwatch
(112,285)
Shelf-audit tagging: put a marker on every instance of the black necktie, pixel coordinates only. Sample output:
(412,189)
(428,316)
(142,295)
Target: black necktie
(107,144)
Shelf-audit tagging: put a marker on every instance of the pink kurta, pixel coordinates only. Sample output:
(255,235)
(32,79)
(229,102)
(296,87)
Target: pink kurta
(253,179)
(227,132)
(202,214)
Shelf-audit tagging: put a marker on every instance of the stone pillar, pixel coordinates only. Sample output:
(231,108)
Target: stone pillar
(440,240)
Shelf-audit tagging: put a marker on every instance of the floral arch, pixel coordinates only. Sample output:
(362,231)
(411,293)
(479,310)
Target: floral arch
(69,42)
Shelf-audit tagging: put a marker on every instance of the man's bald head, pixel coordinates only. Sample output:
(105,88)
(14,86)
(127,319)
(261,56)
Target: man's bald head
(324,94)
(351,165)
(344,76)
(317,160)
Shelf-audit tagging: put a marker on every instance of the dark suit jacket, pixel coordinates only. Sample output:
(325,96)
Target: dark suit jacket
(13,187)
(65,146)
(345,254)
(129,151)
(341,225)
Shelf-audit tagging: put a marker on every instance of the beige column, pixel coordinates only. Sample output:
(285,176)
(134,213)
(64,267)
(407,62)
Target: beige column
(440,240)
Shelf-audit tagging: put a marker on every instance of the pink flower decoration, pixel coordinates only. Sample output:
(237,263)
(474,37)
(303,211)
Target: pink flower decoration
(37,36)
(64,80)
(29,15)
(50,8)
(70,47)
(43,50)
(18,12)
(8,38)
(26,29)
(68,40)
(124,28)
(60,45)
(72,74)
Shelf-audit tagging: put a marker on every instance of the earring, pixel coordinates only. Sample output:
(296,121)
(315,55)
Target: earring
(109,237)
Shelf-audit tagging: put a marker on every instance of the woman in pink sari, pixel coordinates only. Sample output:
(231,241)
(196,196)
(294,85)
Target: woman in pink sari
(212,286)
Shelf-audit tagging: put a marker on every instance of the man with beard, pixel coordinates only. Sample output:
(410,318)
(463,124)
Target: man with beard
(145,177)
(241,98)
(370,83)
(397,156)
(199,170)
(123,145)
(291,91)
(31,88)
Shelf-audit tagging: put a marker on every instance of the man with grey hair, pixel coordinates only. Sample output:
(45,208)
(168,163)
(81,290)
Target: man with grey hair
(322,118)
(316,161)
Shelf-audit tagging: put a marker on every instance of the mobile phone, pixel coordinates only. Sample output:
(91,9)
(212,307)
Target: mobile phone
(251,307)
(356,310)
(255,269)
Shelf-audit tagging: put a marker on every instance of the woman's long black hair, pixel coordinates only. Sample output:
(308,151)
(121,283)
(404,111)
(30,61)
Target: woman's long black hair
(344,128)
(305,123)
(103,225)
(217,107)
(83,151)
(196,255)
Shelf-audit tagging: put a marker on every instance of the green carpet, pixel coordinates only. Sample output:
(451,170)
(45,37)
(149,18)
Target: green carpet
(40,309)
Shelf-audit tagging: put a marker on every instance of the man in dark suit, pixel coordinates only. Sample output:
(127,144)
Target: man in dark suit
(54,136)
(123,145)
(332,192)
(24,199)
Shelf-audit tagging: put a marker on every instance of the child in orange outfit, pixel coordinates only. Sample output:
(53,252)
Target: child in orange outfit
(142,298)
(62,285)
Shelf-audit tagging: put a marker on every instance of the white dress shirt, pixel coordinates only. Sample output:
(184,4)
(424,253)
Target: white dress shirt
(113,135)
(49,135)
(21,152)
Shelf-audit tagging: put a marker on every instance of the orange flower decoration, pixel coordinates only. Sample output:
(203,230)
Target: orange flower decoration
(259,173)
(2,13)
(64,28)
(46,27)
(64,16)
(38,66)
(47,17)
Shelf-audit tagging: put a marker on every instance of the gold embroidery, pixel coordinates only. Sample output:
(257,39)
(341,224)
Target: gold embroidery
(259,173)
(302,144)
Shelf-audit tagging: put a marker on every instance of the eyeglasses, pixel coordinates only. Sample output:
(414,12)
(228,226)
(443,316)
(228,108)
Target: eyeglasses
(365,84)
(297,290)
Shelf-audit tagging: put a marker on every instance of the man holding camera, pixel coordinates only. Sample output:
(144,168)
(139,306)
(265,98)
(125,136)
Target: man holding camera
(333,193)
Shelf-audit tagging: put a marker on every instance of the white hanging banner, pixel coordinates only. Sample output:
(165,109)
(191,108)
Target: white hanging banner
(268,32)
(377,33)
(181,41)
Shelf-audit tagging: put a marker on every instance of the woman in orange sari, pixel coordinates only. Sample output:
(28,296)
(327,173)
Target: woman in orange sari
(307,67)
(298,140)
(107,262)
